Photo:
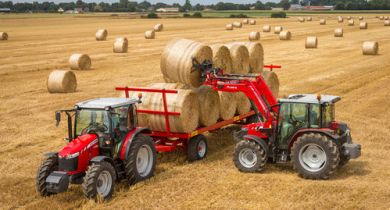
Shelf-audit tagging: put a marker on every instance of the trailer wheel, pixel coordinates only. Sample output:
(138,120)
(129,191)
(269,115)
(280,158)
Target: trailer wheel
(249,156)
(197,148)
(48,165)
(99,181)
(314,156)
(141,160)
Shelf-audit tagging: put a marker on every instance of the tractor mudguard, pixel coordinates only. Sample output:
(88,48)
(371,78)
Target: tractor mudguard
(259,141)
(101,158)
(129,139)
(303,131)
(49,154)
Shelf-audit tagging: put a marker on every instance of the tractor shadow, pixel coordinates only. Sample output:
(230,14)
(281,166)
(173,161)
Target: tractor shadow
(354,168)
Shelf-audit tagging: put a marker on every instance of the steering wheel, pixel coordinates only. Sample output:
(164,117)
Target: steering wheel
(296,122)
(94,127)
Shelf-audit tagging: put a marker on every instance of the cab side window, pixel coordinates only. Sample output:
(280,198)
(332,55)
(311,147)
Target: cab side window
(314,112)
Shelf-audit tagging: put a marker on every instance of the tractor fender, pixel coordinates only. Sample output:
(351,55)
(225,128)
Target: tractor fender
(303,131)
(50,154)
(259,141)
(101,158)
(129,139)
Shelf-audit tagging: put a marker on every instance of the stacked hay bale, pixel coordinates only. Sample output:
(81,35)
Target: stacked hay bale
(256,56)
(285,35)
(271,78)
(222,58)
(229,27)
(322,21)
(61,81)
(240,57)
(3,36)
(351,22)
(101,35)
(158,27)
(278,29)
(227,105)
(252,22)
(120,45)
(363,25)
(338,32)
(387,23)
(311,42)
(370,48)
(80,62)
(266,28)
(209,105)
(254,36)
(149,34)
(237,24)
(309,18)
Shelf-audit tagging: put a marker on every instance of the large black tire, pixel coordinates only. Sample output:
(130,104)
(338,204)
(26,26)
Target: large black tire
(134,158)
(249,156)
(47,166)
(197,148)
(99,181)
(344,159)
(314,156)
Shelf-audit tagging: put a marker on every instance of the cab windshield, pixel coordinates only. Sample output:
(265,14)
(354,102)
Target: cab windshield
(88,120)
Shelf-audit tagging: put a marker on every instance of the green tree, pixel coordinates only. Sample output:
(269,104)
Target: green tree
(187,6)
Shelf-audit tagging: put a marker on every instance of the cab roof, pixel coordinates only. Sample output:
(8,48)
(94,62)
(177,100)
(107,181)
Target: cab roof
(102,103)
(310,99)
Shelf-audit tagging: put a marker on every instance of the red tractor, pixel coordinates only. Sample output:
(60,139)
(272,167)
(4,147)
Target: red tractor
(105,146)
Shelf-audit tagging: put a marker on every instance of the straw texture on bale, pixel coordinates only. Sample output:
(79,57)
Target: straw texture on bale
(221,58)
(237,24)
(149,34)
(243,103)
(208,105)
(311,42)
(322,22)
(254,36)
(80,62)
(338,32)
(266,28)
(176,60)
(245,21)
(120,45)
(61,81)
(301,19)
(271,78)
(278,29)
(351,22)
(309,18)
(227,105)
(252,22)
(370,48)
(340,19)
(3,36)
(387,23)
(363,25)
(101,35)
(240,58)
(256,56)
(229,27)
(158,27)
(285,35)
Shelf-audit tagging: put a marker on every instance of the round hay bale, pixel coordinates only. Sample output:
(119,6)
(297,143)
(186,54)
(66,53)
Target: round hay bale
(229,27)
(338,32)
(361,18)
(363,25)
(227,105)
(243,103)
(323,22)
(61,81)
(237,24)
(120,45)
(349,17)
(340,19)
(208,105)
(80,62)
(245,21)
(370,48)
(252,22)
(149,34)
(158,27)
(101,35)
(285,35)
(381,17)
(221,58)
(176,60)
(271,78)
(386,18)
(309,18)
(256,56)
(254,36)
(311,42)
(387,23)
(278,29)
(240,58)
(351,22)
(266,28)
(301,19)
(3,36)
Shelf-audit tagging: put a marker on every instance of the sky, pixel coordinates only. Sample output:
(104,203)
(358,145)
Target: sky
(154,1)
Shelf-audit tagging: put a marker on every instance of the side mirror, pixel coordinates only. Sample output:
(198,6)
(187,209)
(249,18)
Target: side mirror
(58,118)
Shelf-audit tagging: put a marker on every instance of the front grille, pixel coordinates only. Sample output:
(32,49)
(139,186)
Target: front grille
(68,164)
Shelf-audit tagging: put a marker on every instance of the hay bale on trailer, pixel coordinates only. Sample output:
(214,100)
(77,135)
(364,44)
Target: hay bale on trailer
(278,29)
(222,58)
(311,42)
(363,25)
(243,103)
(61,81)
(120,45)
(149,34)
(237,24)
(158,27)
(227,105)
(285,35)
(229,27)
(387,23)
(208,105)
(101,35)
(338,32)
(256,56)
(266,28)
(254,36)
(176,61)
(240,57)
(351,22)
(323,22)
(80,62)
(3,36)
(252,22)
(272,80)
(370,48)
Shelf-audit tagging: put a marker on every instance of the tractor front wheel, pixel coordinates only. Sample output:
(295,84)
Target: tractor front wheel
(49,165)
(314,156)
(249,156)
(99,181)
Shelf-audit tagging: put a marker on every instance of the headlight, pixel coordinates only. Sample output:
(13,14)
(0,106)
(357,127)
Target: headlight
(72,155)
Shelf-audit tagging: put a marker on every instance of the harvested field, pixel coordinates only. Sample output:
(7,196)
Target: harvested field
(42,43)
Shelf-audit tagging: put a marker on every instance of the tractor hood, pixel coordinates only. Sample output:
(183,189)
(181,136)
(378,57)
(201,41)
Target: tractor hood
(78,145)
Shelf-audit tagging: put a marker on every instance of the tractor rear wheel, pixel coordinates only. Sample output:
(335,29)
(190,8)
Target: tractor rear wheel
(197,148)
(314,156)
(249,156)
(49,165)
(99,181)
(141,159)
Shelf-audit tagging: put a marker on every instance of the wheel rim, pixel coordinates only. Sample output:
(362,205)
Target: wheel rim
(247,158)
(144,160)
(202,149)
(104,183)
(312,157)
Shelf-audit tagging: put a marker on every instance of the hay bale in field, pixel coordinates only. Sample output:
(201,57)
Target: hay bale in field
(349,17)
(158,27)
(386,18)
(3,36)
(309,18)
(80,62)
(301,19)
(229,27)
(311,42)
(361,18)
(363,25)
(340,19)
(271,78)
(285,35)
(101,35)
(240,58)
(237,24)
(254,36)
(243,103)
(278,29)
(323,22)
(266,28)
(387,23)
(351,22)
(370,48)
(149,34)
(245,21)
(176,60)
(120,45)
(61,81)
(256,56)
(221,58)
(208,105)
(252,22)
(227,105)
(338,32)
(381,17)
